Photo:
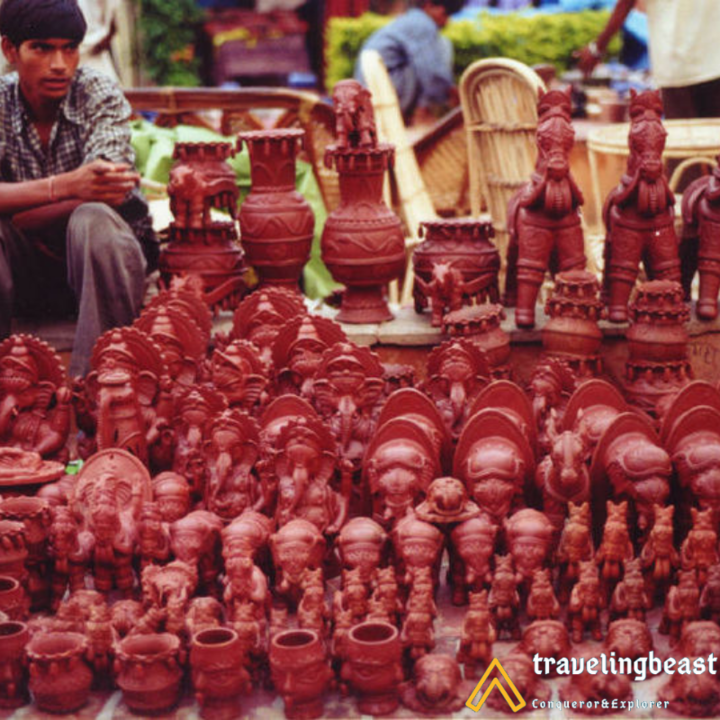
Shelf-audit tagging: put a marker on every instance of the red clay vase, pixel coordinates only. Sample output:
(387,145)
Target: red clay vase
(300,672)
(14,636)
(60,677)
(149,672)
(218,674)
(276,222)
(373,666)
(362,243)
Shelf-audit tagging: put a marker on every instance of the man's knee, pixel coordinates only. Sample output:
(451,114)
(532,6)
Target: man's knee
(96,229)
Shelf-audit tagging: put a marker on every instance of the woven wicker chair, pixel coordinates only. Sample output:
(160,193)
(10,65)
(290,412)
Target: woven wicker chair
(299,109)
(499,103)
(415,204)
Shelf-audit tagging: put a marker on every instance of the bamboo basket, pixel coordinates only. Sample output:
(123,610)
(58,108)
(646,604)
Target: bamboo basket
(442,156)
(499,103)
(414,199)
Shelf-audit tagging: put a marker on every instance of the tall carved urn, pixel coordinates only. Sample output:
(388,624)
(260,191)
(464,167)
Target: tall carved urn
(362,243)
(276,222)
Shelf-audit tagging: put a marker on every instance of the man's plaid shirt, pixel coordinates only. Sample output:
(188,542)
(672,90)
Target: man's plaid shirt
(92,123)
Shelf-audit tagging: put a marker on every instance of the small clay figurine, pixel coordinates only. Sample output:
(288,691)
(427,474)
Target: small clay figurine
(354,118)
(313,613)
(296,547)
(245,584)
(710,596)
(700,637)
(575,546)
(682,605)
(504,599)
(70,557)
(195,539)
(418,634)
(597,690)
(542,603)
(630,598)
(615,549)
(239,374)
(418,546)
(153,537)
(529,536)
(629,638)
(478,636)
(638,213)
(548,639)
(474,544)
(586,604)
(699,549)
(692,695)
(167,591)
(437,687)
(386,593)
(171,494)
(658,553)
(361,543)
(203,613)
(544,215)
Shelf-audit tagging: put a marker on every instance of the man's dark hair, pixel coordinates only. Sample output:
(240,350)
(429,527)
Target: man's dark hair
(22,20)
(451,6)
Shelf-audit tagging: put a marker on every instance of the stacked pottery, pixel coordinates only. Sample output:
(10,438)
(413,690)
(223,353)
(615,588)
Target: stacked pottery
(35,515)
(658,365)
(14,636)
(300,672)
(218,673)
(571,332)
(200,180)
(276,222)
(149,672)
(60,677)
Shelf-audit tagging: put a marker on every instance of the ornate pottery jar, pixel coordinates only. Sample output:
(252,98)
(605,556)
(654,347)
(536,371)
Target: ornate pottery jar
(14,636)
(276,222)
(149,672)
(362,243)
(60,677)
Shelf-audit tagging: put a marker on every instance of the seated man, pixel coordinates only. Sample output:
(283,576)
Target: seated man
(73,225)
(418,59)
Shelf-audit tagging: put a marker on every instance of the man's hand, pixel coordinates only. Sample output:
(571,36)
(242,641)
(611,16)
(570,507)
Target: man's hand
(99,181)
(587,60)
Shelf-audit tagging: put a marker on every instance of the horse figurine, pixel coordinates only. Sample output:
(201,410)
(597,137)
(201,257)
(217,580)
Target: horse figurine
(638,213)
(544,215)
(701,241)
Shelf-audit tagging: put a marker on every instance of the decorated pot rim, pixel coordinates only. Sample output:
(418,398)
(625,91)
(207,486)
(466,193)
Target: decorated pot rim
(127,651)
(271,134)
(71,644)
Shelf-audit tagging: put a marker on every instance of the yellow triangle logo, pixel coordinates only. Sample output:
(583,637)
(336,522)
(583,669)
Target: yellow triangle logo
(516,705)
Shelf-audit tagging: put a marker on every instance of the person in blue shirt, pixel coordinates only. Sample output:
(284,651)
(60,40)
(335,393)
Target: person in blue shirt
(417,57)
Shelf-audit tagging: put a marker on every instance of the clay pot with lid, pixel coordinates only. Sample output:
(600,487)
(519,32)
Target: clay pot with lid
(276,222)
(363,243)
(14,637)
(373,666)
(149,671)
(60,676)
(218,673)
(300,672)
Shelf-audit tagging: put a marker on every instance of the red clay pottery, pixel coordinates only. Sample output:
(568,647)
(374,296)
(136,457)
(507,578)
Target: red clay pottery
(455,265)
(276,222)
(373,666)
(13,600)
(14,636)
(639,212)
(218,672)
(437,686)
(544,214)
(571,331)
(60,677)
(201,180)
(13,549)
(149,671)
(300,672)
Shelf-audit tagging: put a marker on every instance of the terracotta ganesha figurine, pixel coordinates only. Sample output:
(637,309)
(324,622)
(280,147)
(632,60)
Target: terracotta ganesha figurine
(544,216)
